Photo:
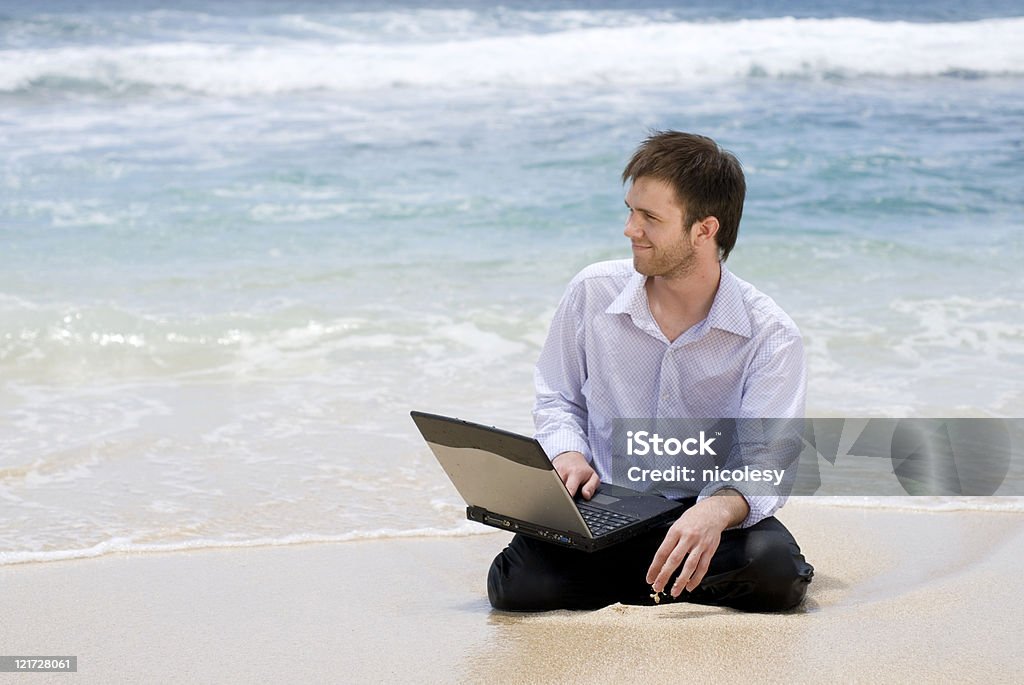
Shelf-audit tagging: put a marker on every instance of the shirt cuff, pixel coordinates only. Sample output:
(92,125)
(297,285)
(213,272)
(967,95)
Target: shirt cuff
(761,506)
(564,441)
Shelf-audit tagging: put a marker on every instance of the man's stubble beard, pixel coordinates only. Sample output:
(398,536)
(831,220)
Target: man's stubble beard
(677,264)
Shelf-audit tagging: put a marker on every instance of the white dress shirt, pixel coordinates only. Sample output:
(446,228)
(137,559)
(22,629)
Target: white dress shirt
(605,358)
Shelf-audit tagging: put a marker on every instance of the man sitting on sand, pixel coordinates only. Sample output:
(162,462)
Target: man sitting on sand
(672,334)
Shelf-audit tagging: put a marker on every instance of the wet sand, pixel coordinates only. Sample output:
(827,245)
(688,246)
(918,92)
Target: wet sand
(897,596)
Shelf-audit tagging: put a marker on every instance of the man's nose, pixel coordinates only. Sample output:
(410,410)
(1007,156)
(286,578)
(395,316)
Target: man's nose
(631,231)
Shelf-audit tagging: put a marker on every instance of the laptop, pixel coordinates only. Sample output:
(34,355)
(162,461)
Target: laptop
(508,482)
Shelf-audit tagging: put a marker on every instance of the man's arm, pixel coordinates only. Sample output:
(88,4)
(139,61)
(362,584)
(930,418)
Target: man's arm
(559,412)
(774,388)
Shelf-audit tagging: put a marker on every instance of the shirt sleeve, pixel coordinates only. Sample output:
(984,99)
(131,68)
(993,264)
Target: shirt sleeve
(774,388)
(560,409)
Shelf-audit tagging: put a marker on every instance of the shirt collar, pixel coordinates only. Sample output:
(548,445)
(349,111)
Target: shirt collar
(632,300)
(727,312)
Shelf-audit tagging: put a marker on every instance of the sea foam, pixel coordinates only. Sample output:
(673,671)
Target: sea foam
(465,528)
(646,55)
(124,545)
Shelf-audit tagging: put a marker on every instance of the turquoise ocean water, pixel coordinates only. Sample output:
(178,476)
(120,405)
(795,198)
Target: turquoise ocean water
(240,241)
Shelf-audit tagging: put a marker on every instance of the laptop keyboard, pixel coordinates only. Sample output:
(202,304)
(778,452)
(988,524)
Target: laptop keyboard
(601,521)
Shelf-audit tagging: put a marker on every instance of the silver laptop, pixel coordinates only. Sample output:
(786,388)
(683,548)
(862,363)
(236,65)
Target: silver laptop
(508,482)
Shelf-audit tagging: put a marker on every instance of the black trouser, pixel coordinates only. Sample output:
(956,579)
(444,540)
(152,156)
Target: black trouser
(754,569)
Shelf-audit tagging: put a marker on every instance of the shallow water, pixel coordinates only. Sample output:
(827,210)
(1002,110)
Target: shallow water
(239,242)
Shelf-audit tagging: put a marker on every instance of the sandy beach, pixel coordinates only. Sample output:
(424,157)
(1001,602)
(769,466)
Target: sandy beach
(242,240)
(898,596)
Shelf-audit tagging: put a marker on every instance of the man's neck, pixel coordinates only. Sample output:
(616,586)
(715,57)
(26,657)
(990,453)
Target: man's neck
(677,303)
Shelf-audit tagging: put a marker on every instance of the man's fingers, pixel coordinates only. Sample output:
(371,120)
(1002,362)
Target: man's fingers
(671,564)
(572,483)
(591,486)
(689,569)
(698,575)
(667,545)
(702,567)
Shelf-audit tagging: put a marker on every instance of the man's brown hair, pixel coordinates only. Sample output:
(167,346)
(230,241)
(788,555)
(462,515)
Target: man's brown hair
(707,179)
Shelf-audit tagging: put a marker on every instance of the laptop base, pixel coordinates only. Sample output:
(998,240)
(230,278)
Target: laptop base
(568,539)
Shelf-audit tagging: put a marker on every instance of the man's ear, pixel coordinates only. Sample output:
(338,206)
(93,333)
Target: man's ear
(704,230)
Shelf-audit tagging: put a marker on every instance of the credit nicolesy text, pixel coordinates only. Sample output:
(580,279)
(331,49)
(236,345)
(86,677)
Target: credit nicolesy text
(652,443)
(684,474)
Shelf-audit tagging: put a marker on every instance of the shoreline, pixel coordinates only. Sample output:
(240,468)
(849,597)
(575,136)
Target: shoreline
(1011,505)
(896,596)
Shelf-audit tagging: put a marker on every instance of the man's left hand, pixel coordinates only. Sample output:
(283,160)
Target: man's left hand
(695,537)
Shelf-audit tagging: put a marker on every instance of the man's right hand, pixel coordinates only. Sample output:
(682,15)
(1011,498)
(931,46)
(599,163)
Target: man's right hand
(573,469)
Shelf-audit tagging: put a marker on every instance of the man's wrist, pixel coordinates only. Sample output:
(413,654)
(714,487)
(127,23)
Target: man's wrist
(732,505)
(562,441)
(575,453)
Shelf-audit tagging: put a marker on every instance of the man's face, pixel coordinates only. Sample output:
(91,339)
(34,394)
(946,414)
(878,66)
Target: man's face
(661,244)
